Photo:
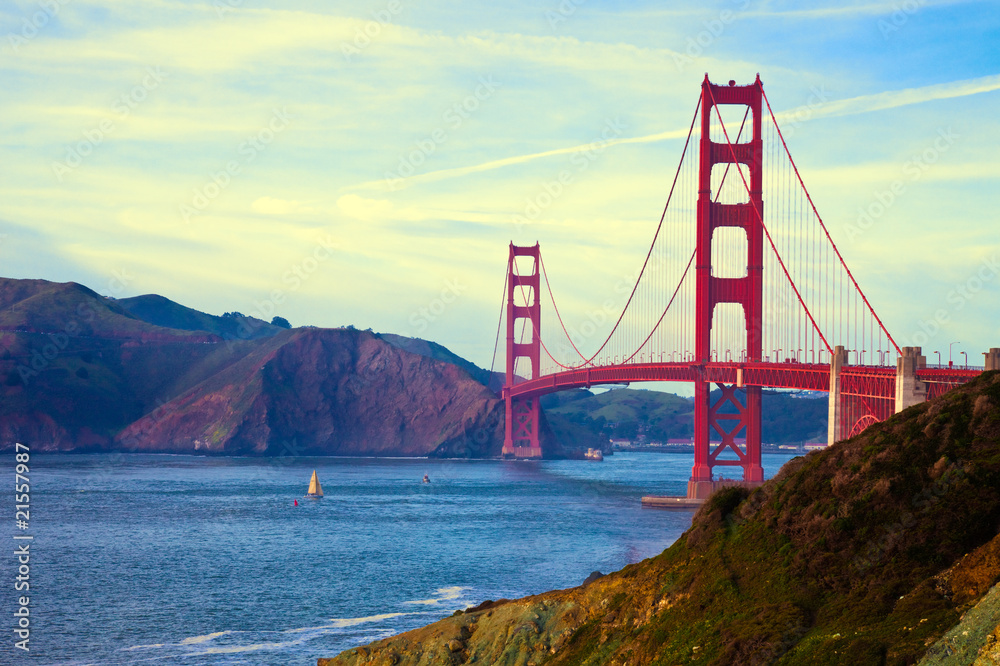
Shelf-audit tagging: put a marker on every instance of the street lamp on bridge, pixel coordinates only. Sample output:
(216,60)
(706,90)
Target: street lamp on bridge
(939,358)
(949,351)
(966,359)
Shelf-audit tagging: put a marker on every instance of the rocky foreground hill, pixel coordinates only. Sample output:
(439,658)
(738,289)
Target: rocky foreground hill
(883,549)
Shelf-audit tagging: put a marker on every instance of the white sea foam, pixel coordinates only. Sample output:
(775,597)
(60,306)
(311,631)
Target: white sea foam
(353,621)
(340,623)
(235,649)
(334,624)
(443,594)
(194,640)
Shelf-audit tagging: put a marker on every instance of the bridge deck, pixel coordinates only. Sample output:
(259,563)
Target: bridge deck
(872,380)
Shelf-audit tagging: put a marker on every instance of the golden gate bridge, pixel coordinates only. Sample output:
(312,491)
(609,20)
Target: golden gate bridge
(742,287)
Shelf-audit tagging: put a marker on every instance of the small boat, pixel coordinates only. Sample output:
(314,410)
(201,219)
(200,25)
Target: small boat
(427,479)
(593,454)
(315,490)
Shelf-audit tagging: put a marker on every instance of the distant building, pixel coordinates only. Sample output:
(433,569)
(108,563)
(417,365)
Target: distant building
(809,395)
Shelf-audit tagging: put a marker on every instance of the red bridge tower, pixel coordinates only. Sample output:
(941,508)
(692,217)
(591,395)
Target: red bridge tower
(521,439)
(710,291)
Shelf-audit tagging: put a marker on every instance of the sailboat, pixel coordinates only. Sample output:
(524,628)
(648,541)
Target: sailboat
(315,490)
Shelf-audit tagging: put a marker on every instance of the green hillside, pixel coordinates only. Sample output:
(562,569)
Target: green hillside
(161,311)
(659,416)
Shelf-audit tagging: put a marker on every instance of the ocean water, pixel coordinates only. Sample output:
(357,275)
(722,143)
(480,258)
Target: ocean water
(191,560)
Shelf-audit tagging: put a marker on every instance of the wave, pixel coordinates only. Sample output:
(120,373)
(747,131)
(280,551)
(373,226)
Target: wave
(194,640)
(341,623)
(202,645)
(443,594)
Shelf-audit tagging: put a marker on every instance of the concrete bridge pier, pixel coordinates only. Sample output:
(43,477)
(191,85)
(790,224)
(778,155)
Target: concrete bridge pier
(909,390)
(835,430)
(992,359)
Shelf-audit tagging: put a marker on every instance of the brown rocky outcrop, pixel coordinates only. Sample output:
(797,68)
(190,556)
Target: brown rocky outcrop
(78,371)
(327,391)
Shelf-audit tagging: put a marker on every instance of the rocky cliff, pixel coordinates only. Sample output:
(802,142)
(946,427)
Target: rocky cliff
(82,372)
(871,552)
(331,392)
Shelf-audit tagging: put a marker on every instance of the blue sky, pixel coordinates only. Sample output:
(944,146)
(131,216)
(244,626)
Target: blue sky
(276,159)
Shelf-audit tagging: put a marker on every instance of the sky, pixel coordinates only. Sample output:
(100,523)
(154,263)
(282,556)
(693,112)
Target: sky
(368,162)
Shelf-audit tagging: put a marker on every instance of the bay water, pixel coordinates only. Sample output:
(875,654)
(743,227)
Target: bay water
(203,560)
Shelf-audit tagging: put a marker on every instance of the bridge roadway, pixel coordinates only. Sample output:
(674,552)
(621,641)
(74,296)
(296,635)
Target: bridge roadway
(868,379)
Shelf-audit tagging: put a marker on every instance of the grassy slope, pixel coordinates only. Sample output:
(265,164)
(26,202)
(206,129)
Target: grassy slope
(865,553)
(664,415)
(71,308)
(162,311)
(79,360)
(437,352)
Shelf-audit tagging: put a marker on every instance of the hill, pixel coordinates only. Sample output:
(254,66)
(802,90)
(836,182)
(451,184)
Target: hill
(82,372)
(883,549)
(628,413)
(441,353)
(79,371)
(156,309)
(328,392)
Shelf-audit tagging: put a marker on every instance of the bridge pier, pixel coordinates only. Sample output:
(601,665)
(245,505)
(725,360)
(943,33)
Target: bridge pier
(909,390)
(835,429)
(992,359)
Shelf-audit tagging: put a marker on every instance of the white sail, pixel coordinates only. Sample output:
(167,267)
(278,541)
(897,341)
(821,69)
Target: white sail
(315,490)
